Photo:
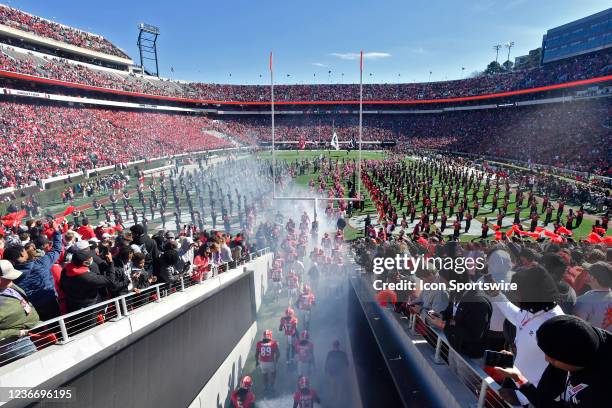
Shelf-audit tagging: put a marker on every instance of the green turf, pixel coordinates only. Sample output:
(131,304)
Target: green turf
(350,233)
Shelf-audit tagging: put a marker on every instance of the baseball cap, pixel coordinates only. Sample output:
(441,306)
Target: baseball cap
(8,271)
(82,244)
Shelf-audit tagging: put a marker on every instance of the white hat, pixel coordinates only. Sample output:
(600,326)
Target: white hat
(8,271)
(82,244)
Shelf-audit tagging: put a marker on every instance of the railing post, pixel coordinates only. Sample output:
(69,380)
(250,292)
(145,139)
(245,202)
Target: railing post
(158,292)
(482,396)
(437,356)
(412,323)
(64,331)
(125,308)
(118,309)
(182,284)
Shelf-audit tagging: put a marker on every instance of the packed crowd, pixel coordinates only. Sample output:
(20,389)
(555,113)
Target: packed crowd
(73,260)
(573,136)
(42,141)
(563,286)
(583,67)
(20,20)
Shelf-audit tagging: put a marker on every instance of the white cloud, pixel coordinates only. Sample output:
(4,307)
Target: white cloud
(355,55)
(318,64)
(419,50)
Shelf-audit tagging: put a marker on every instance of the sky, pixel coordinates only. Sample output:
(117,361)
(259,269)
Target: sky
(229,41)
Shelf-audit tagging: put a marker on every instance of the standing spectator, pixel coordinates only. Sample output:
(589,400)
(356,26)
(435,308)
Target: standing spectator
(17,316)
(147,246)
(81,286)
(578,370)
(36,279)
(557,267)
(595,305)
(536,292)
(466,319)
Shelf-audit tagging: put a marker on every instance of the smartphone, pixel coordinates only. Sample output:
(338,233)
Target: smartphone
(497,359)
(434,314)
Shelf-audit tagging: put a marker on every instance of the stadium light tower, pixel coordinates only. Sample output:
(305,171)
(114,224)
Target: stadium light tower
(497,47)
(147,45)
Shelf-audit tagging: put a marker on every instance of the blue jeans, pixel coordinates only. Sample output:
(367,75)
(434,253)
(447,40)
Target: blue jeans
(16,349)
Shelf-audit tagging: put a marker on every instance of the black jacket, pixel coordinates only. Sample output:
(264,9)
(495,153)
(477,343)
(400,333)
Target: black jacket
(120,280)
(589,387)
(166,273)
(81,286)
(471,323)
(149,248)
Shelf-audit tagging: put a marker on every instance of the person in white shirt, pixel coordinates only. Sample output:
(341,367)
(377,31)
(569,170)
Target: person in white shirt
(536,293)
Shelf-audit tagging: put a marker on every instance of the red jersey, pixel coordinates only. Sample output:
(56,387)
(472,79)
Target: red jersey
(305,400)
(289,325)
(293,281)
(243,399)
(305,301)
(267,350)
(304,351)
(276,274)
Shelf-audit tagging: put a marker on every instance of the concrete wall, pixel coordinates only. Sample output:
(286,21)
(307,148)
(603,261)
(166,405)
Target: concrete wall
(162,353)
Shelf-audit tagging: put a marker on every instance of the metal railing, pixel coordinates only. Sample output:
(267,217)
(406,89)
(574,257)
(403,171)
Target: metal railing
(469,371)
(62,329)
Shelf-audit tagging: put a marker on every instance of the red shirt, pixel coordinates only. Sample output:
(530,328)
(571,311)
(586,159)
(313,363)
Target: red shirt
(293,281)
(304,351)
(243,401)
(86,232)
(267,350)
(289,324)
(276,274)
(306,301)
(305,400)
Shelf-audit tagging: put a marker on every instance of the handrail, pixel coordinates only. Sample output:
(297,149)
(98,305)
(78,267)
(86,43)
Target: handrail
(96,306)
(485,380)
(58,330)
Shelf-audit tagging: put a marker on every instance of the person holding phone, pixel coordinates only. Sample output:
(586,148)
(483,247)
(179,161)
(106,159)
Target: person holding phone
(435,300)
(578,370)
(466,319)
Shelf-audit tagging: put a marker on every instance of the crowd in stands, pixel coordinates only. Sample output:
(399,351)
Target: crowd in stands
(558,313)
(83,256)
(573,136)
(582,67)
(42,141)
(20,20)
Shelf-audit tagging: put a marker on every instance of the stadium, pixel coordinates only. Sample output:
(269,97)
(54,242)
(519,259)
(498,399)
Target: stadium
(174,243)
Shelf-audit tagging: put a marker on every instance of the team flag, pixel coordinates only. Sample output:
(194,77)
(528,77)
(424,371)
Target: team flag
(334,141)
